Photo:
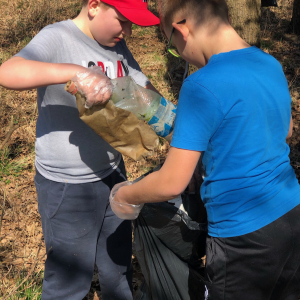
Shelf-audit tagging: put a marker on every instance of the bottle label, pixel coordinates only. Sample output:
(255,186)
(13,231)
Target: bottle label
(162,121)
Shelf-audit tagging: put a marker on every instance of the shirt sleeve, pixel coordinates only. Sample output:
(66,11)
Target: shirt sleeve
(43,47)
(134,69)
(198,117)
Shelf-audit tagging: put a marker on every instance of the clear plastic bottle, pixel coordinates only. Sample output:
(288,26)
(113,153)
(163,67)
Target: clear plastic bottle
(145,104)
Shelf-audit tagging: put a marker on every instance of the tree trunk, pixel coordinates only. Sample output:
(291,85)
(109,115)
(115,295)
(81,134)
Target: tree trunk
(245,19)
(296,17)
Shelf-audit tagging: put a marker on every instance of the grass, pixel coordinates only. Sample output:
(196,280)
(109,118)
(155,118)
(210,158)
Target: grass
(156,63)
(26,288)
(140,30)
(20,20)
(267,45)
(10,166)
(31,16)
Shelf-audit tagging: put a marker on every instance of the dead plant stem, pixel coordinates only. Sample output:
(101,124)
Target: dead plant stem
(3,209)
(12,128)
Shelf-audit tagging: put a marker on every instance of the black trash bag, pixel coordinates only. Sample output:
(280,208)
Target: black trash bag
(141,294)
(266,3)
(169,247)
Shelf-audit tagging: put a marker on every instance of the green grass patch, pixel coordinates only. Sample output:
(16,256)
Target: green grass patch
(30,289)
(10,165)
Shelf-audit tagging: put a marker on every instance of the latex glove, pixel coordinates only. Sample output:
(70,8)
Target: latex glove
(94,85)
(124,211)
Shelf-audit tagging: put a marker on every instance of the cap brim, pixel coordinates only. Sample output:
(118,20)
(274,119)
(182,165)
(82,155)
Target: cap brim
(141,17)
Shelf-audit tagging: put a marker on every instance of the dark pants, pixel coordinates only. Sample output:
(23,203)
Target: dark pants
(80,229)
(262,265)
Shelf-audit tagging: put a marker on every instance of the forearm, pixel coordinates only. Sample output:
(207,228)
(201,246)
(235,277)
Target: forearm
(20,74)
(152,88)
(165,184)
(153,188)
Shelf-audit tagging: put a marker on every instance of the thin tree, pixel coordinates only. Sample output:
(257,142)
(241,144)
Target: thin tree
(295,24)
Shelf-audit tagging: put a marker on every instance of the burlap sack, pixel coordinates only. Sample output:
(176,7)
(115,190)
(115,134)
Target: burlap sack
(120,128)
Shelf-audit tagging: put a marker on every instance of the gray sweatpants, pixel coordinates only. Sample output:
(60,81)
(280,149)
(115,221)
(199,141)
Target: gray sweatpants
(80,229)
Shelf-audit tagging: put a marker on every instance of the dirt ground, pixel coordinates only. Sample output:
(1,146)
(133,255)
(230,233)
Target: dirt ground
(22,252)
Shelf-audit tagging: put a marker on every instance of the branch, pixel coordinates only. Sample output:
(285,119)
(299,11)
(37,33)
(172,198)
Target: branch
(3,207)
(12,128)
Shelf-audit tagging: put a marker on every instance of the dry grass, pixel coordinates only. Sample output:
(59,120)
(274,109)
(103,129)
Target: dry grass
(22,251)
(285,46)
(22,19)
(20,228)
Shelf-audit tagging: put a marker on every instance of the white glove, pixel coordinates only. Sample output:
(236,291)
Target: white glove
(94,85)
(124,210)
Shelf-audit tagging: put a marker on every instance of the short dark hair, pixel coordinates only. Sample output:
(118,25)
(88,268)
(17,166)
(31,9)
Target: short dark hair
(200,10)
(85,3)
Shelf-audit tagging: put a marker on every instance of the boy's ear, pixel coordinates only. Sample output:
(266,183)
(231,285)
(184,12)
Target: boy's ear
(229,20)
(183,29)
(93,7)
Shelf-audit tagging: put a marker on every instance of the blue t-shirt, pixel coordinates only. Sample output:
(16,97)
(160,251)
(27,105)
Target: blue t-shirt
(237,110)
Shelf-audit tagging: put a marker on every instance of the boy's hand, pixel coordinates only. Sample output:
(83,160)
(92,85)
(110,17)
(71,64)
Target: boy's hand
(123,210)
(94,84)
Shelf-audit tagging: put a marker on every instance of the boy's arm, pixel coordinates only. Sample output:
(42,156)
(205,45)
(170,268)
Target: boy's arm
(20,74)
(165,184)
(152,88)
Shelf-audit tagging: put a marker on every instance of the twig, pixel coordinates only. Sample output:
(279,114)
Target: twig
(24,185)
(6,273)
(4,276)
(3,208)
(35,110)
(170,77)
(293,80)
(12,128)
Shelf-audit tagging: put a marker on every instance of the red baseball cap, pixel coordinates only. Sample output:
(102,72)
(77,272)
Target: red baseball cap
(135,11)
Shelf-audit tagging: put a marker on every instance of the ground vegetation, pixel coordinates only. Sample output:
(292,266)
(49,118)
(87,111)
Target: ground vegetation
(22,251)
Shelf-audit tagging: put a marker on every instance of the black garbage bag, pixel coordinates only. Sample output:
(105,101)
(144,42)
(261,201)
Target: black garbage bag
(169,247)
(266,3)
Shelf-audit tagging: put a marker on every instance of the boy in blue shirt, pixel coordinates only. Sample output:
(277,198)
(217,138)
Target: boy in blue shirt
(75,168)
(234,113)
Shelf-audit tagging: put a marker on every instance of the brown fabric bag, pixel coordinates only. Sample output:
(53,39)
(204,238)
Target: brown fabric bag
(118,127)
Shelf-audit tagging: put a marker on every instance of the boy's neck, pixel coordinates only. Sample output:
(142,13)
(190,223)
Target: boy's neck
(81,21)
(222,40)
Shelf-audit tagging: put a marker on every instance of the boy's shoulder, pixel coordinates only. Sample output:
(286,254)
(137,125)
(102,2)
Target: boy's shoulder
(234,66)
(67,31)
(62,26)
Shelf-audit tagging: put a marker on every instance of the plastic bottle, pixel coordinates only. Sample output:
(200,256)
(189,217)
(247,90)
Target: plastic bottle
(145,104)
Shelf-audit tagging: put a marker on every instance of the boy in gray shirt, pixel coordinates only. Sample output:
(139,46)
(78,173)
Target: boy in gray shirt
(75,168)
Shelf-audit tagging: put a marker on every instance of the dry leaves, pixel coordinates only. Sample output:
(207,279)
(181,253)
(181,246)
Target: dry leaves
(21,232)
